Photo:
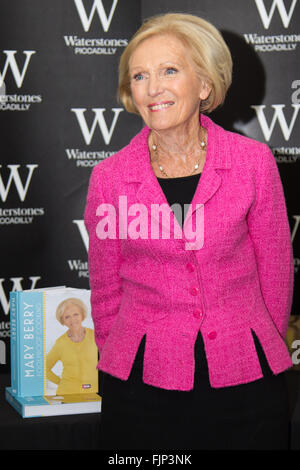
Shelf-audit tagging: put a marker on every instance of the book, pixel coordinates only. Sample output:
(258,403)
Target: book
(41,406)
(53,351)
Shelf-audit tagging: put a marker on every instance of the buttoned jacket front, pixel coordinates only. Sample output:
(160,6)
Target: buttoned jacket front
(236,277)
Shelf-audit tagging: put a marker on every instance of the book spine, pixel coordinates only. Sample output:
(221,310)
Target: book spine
(44,346)
(13,301)
(9,396)
(31,333)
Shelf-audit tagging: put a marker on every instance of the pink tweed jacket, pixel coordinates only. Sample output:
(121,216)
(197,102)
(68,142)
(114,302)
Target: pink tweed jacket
(240,278)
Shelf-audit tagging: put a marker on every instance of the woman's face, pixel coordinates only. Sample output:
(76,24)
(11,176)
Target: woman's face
(165,87)
(72,316)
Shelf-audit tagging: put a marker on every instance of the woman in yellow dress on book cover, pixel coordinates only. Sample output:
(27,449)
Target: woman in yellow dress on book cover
(76,349)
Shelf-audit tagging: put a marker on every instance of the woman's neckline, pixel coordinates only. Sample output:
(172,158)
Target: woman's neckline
(178,177)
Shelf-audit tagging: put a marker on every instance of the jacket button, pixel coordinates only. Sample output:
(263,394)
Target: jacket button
(198,313)
(190,267)
(212,335)
(194,290)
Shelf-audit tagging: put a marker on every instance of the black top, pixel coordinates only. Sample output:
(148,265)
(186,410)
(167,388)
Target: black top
(180,190)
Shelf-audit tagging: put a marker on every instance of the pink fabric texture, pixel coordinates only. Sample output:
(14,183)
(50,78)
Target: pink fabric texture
(241,279)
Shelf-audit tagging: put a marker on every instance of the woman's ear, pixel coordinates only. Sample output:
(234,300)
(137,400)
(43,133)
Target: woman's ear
(205,90)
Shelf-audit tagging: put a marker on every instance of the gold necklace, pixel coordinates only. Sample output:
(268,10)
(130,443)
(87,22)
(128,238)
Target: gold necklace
(80,337)
(196,166)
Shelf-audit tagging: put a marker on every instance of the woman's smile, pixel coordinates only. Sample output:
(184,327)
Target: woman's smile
(160,106)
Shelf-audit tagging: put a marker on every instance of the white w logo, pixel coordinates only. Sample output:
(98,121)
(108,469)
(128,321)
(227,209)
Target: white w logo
(83,232)
(277,116)
(97,5)
(2,88)
(296,226)
(98,119)
(11,61)
(266,18)
(17,286)
(14,176)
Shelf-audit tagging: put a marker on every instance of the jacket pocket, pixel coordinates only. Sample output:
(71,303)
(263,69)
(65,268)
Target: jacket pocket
(237,282)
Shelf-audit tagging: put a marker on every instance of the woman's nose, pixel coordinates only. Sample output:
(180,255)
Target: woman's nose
(155,85)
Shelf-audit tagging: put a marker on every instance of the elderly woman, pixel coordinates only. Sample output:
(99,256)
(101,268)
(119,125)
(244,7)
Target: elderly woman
(191,330)
(76,349)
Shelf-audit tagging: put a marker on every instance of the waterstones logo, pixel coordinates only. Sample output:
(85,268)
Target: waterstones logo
(16,285)
(83,158)
(77,265)
(2,89)
(277,42)
(276,117)
(20,215)
(2,352)
(284,13)
(14,182)
(98,7)
(83,232)
(80,267)
(95,46)
(84,46)
(4,329)
(14,176)
(99,121)
(16,102)
(296,227)
(286,154)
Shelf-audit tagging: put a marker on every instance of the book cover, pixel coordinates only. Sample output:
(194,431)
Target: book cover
(53,351)
(27,334)
(41,406)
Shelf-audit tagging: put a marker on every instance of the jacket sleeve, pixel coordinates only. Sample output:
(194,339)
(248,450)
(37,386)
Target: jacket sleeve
(104,260)
(270,233)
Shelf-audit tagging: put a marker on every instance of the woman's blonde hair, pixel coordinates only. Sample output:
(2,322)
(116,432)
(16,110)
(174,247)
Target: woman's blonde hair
(65,303)
(208,51)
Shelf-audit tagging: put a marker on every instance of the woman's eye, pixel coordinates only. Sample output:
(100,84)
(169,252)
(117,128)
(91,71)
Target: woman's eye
(171,71)
(137,77)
